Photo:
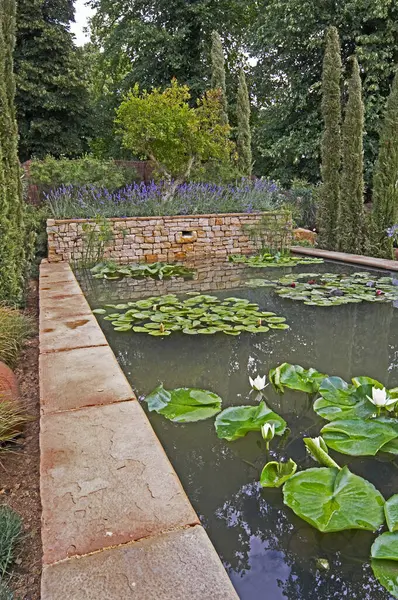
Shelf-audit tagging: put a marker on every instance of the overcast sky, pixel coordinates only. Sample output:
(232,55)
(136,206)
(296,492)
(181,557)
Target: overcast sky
(82,13)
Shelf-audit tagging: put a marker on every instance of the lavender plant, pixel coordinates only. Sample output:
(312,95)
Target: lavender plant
(145,199)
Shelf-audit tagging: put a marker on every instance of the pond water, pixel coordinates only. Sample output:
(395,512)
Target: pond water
(267,551)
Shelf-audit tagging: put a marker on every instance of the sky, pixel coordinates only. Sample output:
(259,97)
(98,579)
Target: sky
(82,13)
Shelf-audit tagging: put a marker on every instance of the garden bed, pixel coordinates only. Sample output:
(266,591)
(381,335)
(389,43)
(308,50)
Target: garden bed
(20,471)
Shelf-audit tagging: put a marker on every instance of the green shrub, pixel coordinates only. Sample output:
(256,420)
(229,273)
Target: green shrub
(10,534)
(52,173)
(12,420)
(15,328)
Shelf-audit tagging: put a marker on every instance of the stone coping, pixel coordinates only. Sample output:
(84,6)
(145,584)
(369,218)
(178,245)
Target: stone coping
(116,522)
(53,221)
(357,259)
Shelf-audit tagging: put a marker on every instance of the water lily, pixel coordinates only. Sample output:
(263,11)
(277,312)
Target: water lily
(380,398)
(268,431)
(258,383)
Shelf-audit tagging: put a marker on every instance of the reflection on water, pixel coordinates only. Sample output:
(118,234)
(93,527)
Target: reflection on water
(268,552)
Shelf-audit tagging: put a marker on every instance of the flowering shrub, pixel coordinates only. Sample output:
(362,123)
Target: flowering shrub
(392,233)
(141,199)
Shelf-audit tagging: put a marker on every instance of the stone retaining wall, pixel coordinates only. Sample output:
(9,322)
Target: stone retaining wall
(153,239)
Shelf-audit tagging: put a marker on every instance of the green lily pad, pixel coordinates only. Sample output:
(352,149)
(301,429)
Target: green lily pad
(236,421)
(295,377)
(184,405)
(386,572)
(275,473)
(358,437)
(334,500)
(385,547)
(391,512)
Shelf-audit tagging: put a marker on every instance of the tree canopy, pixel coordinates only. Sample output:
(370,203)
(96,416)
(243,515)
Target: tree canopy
(51,99)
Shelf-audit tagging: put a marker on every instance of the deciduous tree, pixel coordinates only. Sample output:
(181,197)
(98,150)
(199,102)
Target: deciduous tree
(162,126)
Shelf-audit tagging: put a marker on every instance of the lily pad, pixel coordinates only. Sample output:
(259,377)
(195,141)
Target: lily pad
(391,511)
(358,437)
(184,405)
(295,377)
(236,421)
(275,473)
(339,400)
(385,547)
(386,572)
(334,500)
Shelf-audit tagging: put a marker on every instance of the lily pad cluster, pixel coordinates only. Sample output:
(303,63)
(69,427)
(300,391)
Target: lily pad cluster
(198,314)
(363,421)
(332,289)
(113,271)
(278,260)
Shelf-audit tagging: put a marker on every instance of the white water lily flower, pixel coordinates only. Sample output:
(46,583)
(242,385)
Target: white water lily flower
(268,431)
(380,399)
(258,383)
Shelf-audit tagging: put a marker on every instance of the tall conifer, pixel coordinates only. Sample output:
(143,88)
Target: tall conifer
(244,133)
(218,72)
(351,215)
(12,229)
(385,181)
(329,198)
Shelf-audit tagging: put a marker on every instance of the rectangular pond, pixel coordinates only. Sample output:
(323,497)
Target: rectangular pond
(266,549)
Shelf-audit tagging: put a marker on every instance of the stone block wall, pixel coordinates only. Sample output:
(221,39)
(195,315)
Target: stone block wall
(168,239)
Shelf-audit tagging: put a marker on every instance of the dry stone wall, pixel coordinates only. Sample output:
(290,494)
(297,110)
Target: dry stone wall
(167,239)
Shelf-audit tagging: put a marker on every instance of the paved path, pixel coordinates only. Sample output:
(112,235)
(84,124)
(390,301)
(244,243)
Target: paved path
(116,522)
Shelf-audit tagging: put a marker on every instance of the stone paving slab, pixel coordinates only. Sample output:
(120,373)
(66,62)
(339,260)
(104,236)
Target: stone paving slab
(70,332)
(56,273)
(67,306)
(80,378)
(105,480)
(58,289)
(180,565)
(358,259)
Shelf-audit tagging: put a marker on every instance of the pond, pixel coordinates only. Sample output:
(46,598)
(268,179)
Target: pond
(267,551)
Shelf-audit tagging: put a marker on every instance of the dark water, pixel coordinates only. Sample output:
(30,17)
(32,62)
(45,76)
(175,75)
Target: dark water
(268,552)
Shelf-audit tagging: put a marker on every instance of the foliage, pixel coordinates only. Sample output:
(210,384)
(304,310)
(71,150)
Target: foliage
(15,328)
(86,171)
(385,189)
(384,561)
(270,236)
(146,199)
(277,260)
(334,500)
(318,450)
(287,38)
(52,99)
(350,228)
(198,314)
(183,405)
(301,201)
(112,271)
(10,535)
(294,377)
(161,126)
(14,243)
(218,73)
(333,289)
(151,41)
(244,138)
(391,512)
(275,474)
(12,420)
(329,198)
(236,421)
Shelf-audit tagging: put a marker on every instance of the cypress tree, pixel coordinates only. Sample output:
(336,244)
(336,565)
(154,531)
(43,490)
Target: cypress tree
(244,134)
(12,229)
(218,73)
(351,215)
(329,198)
(385,181)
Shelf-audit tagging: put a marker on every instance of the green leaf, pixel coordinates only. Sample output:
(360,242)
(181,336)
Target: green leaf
(385,547)
(357,437)
(332,500)
(99,311)
(236,421)
(339,400)
(275,473)
(391,511)
(319,452)
(295,377)
(386,571)
(184,405)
